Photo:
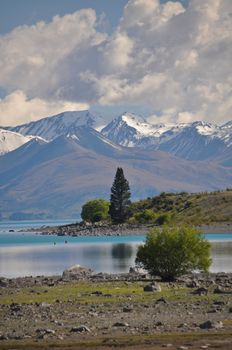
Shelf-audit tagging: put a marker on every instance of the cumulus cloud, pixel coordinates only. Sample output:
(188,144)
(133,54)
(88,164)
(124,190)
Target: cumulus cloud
(176,60)
(17,108)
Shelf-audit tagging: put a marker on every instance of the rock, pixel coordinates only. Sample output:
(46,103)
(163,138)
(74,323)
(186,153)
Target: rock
(137,271)
(120,324)
(45,331)
(211,325)
(169,345)
(76,272)
(45,305)
(161,300)
(3,337)
(200,291)
(219,302)
(3,282)
(80,329)
(154,287)
(127,309)
(183,325)
(15,307)
(97,292)
(218,290)
(192,284)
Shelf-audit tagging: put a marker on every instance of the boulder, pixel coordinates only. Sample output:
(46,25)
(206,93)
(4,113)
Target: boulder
(211,324)
(154,287)
(200,291)
(80,329)
(76,272)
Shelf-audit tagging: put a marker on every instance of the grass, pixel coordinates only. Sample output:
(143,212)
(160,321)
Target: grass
(112,292)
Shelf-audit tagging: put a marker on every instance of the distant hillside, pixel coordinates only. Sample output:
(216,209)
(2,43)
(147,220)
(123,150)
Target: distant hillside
(194,208)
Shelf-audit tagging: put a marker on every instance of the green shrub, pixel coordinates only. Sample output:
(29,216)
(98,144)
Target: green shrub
(163,219)
(95,210)
(144,217)
(174,251)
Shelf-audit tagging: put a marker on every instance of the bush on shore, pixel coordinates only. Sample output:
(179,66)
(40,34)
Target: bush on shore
(174,251)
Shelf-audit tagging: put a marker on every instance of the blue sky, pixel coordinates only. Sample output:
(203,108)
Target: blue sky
(168,60)
(18,12)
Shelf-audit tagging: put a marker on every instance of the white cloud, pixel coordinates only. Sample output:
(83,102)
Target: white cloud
(175,60)
(34,58)
(117,53)
(16,108)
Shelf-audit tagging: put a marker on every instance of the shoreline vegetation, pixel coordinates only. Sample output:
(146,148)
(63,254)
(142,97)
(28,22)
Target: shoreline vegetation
(84,310)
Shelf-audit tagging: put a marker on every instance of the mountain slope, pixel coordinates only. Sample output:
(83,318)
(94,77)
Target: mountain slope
(59,176)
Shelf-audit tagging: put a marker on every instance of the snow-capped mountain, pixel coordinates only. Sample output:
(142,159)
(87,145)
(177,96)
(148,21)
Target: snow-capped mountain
(57,177)
(195,141)
(11,140)
(61,124)
(192,141)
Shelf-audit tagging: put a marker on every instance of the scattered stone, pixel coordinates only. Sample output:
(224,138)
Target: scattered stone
(120,324)
(182,347)
(211,325)
(80,329)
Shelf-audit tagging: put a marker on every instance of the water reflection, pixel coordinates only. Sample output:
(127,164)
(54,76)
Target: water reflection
(49,259)
(121,255)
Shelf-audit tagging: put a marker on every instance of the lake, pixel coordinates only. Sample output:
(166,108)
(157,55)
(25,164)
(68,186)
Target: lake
(30,254)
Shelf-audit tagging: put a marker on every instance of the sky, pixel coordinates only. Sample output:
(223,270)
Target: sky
(167,60)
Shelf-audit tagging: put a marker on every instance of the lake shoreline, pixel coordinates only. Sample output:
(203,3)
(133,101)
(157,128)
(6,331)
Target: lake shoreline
(83,229)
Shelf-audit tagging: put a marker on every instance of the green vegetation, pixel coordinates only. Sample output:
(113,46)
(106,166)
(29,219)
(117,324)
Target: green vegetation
(184,208)
(95,210)
(120,198)
(174,251)
(180,208)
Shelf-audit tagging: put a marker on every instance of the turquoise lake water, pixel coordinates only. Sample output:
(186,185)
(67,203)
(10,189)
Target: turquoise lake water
(25,253)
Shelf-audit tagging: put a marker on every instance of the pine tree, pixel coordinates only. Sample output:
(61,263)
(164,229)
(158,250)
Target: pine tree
(120,198)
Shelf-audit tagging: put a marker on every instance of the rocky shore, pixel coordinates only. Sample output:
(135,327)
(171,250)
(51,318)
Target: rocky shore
(102,229)
(82,309)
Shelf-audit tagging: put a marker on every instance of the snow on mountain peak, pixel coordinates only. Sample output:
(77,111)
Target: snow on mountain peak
(51,127)
(11,140)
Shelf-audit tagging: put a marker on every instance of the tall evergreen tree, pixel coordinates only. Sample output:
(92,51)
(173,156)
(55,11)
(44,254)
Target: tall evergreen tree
(120,198)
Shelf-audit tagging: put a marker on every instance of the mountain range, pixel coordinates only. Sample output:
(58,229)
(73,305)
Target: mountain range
(60,162)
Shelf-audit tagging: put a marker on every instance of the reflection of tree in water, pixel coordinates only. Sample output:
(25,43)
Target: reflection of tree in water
(122,251)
